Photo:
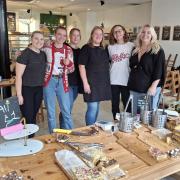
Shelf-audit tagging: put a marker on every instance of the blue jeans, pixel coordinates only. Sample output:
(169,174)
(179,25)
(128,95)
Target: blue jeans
(73,93)
(136,97)
(155,103)
(154,99)
(92,112)
(51,91)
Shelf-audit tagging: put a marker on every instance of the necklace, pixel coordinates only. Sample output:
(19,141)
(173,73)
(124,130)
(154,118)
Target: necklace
(145,49)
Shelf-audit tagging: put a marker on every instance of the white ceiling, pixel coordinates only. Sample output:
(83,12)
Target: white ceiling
(70,5)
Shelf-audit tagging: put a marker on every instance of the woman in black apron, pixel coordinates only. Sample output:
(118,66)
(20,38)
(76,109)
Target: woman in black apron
(94,71)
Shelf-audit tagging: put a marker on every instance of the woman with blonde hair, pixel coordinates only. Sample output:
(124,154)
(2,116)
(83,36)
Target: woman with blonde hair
(147,67)
(94,71)
(119,52)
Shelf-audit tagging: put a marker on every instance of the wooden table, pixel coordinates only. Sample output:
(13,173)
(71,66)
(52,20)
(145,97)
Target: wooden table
(131,153)
(6,83)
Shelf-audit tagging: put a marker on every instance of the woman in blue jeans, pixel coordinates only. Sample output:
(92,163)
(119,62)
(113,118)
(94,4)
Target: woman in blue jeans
(59,65)
(74,77)
(147,67)
(94,71)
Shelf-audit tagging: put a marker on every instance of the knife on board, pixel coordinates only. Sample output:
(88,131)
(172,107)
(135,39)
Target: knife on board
(86,144)
(71,132)
(78,153)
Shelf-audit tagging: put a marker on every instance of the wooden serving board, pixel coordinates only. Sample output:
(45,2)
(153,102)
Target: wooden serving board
(131,143)
(153,141)
(145,135)
(139,143)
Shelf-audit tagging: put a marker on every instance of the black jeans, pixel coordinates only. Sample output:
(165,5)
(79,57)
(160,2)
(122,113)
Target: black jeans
(116,91)
(32,100)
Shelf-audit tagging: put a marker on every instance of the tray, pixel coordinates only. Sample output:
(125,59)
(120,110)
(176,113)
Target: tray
(69,162)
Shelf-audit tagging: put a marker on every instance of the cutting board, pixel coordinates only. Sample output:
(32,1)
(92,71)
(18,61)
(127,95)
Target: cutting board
(139,142)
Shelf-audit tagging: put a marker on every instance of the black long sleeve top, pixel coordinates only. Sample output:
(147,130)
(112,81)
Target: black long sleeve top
(151,67)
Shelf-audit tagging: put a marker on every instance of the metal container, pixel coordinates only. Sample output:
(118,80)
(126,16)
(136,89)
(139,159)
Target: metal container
(126,122)
(127,119)
(159,119)
(146,117)
(146,111)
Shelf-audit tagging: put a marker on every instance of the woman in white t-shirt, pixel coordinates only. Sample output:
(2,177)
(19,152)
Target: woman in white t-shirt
(119,52)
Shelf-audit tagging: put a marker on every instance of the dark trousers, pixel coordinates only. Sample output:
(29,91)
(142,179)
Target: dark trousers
(116,91)
(32,100)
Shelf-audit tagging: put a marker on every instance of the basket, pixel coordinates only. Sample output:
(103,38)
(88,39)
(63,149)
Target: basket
(146,117)
(126,119)
(146,112)
(159,119)
(126,122)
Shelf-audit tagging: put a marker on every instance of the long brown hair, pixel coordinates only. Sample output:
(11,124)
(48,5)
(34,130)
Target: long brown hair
(112,40)
(90,42)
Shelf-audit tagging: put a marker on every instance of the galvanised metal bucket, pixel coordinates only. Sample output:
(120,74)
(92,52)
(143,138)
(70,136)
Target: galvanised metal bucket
(146,112)
(146,117)
(159,119)
(126,122)
(127,119)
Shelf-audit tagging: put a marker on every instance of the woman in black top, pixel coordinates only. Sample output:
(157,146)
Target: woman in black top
(74,77)
(147,67)
(30,72)
(94,71)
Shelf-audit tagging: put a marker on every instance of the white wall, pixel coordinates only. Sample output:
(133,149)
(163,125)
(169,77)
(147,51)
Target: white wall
(80,20)
(22,18)
(129,16)
(167,13)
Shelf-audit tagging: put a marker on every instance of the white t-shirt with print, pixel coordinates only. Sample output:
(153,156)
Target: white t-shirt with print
(119,70)
(59,56)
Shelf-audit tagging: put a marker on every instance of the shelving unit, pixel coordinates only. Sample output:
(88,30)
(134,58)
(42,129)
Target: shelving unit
(18,42)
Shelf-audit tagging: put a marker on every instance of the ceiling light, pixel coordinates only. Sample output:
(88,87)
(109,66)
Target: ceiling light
(61,21)
(88,9)
(28,11)
(102,3)
(50,13)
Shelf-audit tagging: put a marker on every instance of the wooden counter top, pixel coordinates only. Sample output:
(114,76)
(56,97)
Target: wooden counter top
(7,82)
(130,152)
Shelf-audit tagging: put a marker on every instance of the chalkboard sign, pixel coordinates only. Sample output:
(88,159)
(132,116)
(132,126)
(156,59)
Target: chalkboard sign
(10,113)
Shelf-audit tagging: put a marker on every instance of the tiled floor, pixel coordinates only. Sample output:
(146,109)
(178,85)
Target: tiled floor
(78,114)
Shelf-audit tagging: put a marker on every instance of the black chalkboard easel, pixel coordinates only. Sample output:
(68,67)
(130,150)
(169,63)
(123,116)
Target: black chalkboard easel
(10,113)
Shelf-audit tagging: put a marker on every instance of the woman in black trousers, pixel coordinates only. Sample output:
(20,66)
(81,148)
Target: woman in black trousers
(30,72)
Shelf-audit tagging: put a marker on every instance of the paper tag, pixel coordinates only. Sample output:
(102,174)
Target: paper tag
(137,125)
(117,116)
